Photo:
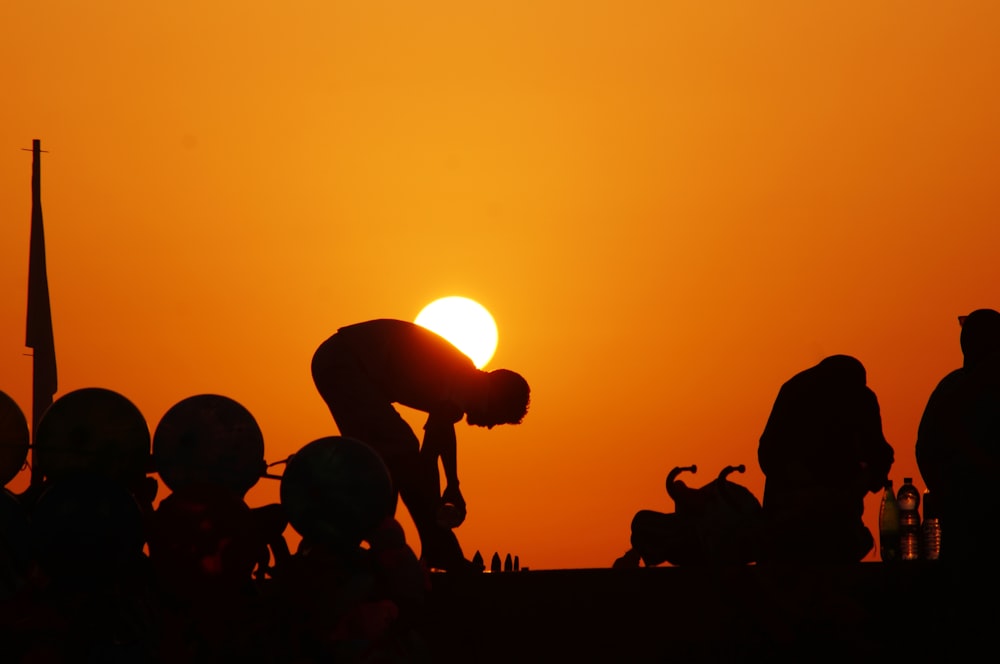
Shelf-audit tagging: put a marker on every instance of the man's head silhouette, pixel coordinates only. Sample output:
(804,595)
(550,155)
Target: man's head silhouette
(980,335)
(506,402)
(844,371)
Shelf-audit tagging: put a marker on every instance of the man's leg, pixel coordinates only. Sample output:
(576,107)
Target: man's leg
(361,411)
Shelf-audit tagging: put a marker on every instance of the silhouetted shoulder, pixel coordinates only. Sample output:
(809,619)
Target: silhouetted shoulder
(416,365)
(403,339)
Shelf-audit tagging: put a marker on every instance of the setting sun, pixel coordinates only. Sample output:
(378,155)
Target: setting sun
(465,323)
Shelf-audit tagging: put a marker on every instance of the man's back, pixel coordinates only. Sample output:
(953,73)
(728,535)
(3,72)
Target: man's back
(414,366)
(823,429)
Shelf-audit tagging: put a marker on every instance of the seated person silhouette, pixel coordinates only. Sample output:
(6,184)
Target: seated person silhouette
(958,441)
(822,451)
(365,368)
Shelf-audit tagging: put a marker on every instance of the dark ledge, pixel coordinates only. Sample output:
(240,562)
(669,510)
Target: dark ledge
(800,613)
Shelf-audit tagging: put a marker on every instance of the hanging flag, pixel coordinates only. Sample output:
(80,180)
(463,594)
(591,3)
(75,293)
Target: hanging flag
(39,336)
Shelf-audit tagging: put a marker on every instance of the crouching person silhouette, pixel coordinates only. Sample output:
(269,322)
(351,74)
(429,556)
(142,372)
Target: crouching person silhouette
(366,368)
(821,452)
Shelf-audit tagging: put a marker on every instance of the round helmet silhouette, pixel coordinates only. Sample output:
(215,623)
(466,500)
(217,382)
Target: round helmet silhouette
(14,439)
(92,430)
(336,490)
(209,439)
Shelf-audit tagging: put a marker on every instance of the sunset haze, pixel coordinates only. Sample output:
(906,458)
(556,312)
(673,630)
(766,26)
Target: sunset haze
(669,208)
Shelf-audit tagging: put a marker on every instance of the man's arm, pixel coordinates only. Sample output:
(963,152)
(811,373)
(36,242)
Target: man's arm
(876,454)
(440,442)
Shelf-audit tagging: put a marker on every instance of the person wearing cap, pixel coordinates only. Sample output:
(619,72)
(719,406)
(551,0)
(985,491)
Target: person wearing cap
(366,368)
(958,441)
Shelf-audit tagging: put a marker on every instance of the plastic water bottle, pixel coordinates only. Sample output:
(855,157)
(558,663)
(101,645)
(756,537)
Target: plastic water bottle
(888,525)
(908,499)
(930,532)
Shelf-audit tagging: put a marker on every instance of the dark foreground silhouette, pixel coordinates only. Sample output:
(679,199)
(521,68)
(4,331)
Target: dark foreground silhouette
(79,586)
(92,572)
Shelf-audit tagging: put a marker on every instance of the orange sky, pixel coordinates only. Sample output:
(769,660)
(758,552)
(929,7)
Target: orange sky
(670,208)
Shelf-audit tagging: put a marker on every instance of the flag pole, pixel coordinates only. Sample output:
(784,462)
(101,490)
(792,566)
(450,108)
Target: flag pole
(38,332)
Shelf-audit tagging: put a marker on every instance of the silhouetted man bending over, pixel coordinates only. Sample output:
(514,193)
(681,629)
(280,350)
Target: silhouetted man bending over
(363,369)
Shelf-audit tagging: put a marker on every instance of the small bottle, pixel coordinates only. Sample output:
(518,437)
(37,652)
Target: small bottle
(888,525)
(930,532)
(908,499)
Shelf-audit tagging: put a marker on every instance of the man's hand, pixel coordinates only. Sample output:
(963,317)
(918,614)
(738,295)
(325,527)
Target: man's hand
(452,494)
(439,442)
(451,513)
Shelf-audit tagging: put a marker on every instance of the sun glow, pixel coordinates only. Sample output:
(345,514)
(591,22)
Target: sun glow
(465,323)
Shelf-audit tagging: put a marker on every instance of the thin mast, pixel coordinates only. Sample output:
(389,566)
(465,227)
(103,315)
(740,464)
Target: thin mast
(38,333)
